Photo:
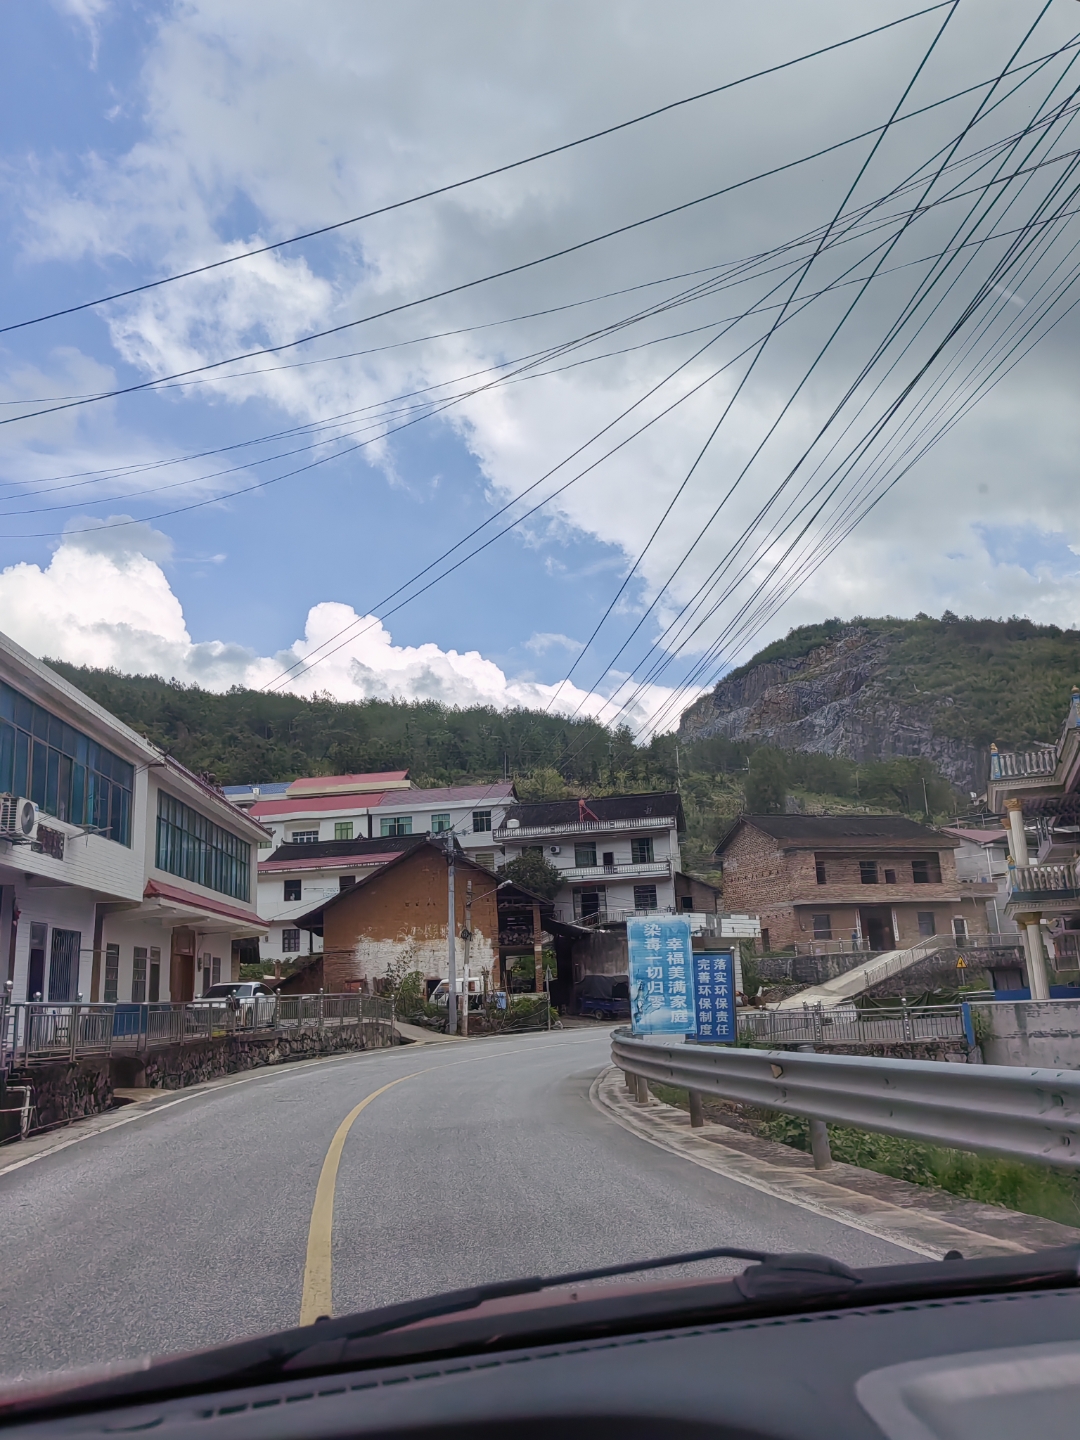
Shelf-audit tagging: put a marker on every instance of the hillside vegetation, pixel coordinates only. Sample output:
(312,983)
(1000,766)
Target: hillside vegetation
(247,736)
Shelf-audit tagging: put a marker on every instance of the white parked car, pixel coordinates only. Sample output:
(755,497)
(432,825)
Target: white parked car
(256,1003)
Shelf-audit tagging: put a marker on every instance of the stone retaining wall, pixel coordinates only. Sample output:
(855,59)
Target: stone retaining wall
(69,1091)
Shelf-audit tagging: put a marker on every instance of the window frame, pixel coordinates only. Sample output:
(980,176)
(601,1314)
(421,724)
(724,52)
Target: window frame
(287,945)
(343,830)
(484,818)
(193,847)
(822,932)
(922,917)
(297,886)
(821,872)
(442,822)
(303,837)
(392,826)
(642,889)
(641,850)
(868,872)
(110,993)
(587,848)
(932,869)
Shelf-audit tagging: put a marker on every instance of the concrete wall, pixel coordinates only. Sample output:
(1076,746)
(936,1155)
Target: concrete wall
(399,919)
(1042,1033)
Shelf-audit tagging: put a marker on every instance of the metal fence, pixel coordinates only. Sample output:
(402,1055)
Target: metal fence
(1021,1113)
(36,1033)
(849,1025)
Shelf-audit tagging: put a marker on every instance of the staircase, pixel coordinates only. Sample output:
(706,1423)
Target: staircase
(869,973)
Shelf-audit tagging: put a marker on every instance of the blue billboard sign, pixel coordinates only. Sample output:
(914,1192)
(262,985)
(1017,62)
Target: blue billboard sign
(660,975)
(714,995)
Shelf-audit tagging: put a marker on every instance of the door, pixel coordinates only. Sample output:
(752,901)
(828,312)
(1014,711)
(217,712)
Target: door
(182,967)
(64,964)
(35,975)
(877,929)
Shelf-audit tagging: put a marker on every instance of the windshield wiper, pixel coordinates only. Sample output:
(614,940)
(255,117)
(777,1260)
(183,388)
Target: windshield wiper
(776,1284)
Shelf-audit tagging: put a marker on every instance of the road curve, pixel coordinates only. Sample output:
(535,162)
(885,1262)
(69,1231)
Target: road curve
(190,1225)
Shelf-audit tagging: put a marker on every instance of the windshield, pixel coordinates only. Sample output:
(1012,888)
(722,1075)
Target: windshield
(538,629)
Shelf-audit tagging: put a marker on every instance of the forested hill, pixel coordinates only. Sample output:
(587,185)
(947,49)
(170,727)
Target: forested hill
(246,736)
(873,689)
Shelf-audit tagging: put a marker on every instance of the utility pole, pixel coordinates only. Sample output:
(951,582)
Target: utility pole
(466,936)
(925,802)
(451,926)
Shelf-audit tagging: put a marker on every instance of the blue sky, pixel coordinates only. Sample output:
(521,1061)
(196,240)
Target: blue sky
(139,139)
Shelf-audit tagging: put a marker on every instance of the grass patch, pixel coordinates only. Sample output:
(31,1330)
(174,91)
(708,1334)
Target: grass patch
(1030,1189)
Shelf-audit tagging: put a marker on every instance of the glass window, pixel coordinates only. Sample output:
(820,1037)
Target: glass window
(346,882)
(64,772)
(819,869)
(481,820)
(292,889)
(585,855)
(641,851)
(822,927)
(926,923)
(193,847)
(154,976)
(112,974)
(396,825)
(304,837)
(439,823)
(868,872)
(644,897)
(343,830)
(138,975)
(290,941)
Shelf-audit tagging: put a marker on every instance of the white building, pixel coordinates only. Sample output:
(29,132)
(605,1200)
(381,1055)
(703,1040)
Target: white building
(618,855)
(325,831)
(123,877)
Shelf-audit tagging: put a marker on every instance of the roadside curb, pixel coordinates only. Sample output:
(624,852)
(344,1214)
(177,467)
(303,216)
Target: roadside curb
(914,1229)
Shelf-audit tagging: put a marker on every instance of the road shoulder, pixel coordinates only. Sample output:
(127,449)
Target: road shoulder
(929,1222)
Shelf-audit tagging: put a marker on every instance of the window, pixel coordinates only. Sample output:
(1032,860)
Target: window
(819,868)
(926,923)
(215,969)
(110,993)
(589,902)
(686,902)
(138,976)
(609,859)
(196,849)
(343,830)
(439,823)
(290,942)
(346,882)
(822,927)
(868,872)
(644,897)
(304,837)
(959,930)
(292,889)
(65,773)
(641,851)
(532,849)
(486,858)
(585,855)
(35,975)
(764,940)
(64,964)
(266,844)
(890,877)
(926,872)
(396,825)
(153,989)
(481,821)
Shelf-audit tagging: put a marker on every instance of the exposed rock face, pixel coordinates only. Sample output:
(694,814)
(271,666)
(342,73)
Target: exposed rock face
(834,701)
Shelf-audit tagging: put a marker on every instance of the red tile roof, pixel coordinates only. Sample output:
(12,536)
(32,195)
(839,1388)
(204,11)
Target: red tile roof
(155,889)
(302,805)
(429,799)
(320,784)
(326,862)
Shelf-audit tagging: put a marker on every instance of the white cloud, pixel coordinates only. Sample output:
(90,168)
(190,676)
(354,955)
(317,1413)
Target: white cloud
(105,601)
(307,124)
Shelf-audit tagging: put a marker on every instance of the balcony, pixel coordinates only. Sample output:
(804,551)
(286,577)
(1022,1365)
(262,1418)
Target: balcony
(1023,765)
(583,827)
(1043,887)
(649,869)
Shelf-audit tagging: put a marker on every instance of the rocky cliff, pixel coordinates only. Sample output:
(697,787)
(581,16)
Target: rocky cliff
(848,696)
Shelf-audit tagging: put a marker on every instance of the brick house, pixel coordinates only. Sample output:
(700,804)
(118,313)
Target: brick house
(883,880)
(396,916)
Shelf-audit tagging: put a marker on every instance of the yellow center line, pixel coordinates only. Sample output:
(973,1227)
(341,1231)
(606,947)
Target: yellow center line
(318,1298)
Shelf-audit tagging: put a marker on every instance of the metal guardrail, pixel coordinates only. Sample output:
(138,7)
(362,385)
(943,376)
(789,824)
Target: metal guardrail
(1020,1113)
(847,1025)
(38,1033)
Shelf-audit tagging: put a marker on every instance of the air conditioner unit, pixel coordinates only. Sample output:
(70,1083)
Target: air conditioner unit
(555,849)
(18,817)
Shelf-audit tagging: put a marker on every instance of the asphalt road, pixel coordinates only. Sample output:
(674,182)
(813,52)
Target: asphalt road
(189,1226)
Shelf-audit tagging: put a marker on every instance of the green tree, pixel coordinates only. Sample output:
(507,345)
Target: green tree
(766,782)
(533,872)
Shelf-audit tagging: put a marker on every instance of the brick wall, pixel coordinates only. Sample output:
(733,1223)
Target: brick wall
(399,917)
